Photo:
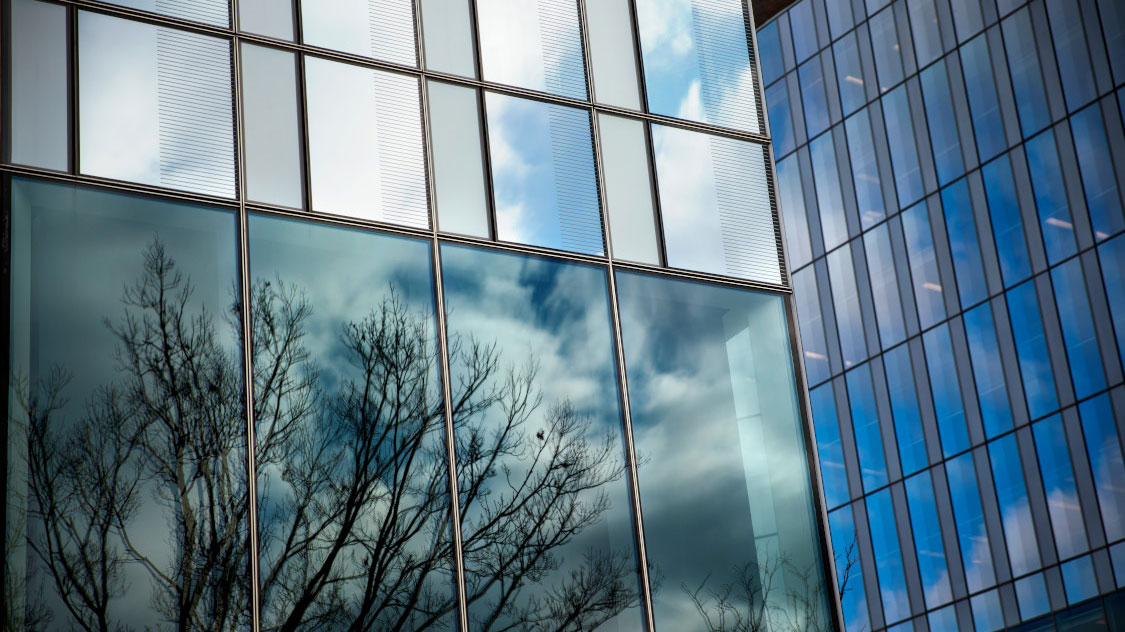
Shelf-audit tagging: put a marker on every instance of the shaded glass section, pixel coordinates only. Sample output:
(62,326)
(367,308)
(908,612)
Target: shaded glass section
(1055,222)
(628,189)
(1031,593)
(1031,350)
(946,391)
(1071,52)
(353,488)
(924,28)
(1023,64)
(813,97)
(365,143)
(1007,226)
(923,264)
(1104,448)
(270,126)
(849,73)
(612,53)
(723,470)
(812,326)
(1112,16)
(865,426)
(1112,257)
(865,170)
(1078,329)
(884,42)
(927,540)
(904,409)
(967,17)
(1098,179)
(126,482)
(845,298)
(971,532)
(904,151)
(828,447)
(1080,583)
(988,372)
(458,159)
(448,36)
(697,62)
(545,512)
(980,87)
(1058,484)
(534,45)
(888,556)
(273,18)
(884,285)
(853,603)
(382,29)
(1015,510)
(826,178)
(37,72)
(155,105)
(963,244)
(715,204)
(545,186)
(987,615)
(942,121)
(793,211)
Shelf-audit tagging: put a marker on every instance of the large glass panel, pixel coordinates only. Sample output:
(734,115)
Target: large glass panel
(984,106)
(1058,483)
(826,178)
(1071,52)
(865,170)
(628,187)
(723,473)
(1078,329)
(1096,166)
(534,45)
(833,474)
(1112,16)
(458,159)
(884,42)
(839,18)
(904,151)
(545,514)
(904,409)
(271,127)
(126,440)
(792,201)
(382,29)
(849,573)
(37,69)
(865,426)
(273,18)
(804,29)
(612,53)
(214,12)
(1027,80)
(1104,448)
(1031,350)
(1031,593)
(946,391)
(1007,226)
(967,17)
(963,244)
(715,204)
(1015,510)
(988,371)
(884,285)
(927,540)
(545,186)
(845,298)
(888,556)
(969,518)
(812,326)
(923,264)
(1111,254)
(769,53)
(1080,584)
(781,122)
(1055,222)
(942,123)
(697,62)
(365,143)
(849,73)
(352,476)
(924,27)
(987,613)
(447,36)
(813,97)
(155,105)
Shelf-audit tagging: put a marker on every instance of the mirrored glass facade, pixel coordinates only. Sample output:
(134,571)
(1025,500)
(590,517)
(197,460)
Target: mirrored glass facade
(951,177)
(412,315)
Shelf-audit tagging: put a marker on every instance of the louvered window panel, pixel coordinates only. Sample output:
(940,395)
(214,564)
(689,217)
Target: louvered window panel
(215,12)
(381,29)
(534,44)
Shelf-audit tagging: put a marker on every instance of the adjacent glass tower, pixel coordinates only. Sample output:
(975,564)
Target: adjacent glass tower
(951,176)
(398,315)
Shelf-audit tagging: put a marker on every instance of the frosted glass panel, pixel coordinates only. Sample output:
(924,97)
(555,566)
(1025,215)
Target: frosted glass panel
(458,159)
(612,53)
(37,67)
(269,104)
(448,37)
(628,184)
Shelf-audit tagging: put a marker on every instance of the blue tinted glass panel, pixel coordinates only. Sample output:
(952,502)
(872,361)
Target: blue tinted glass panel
(1058,483)
(828,446)
(924,27)
(904,409)
(849,73)
(1104,447)
(845,298)
(827,179)
(865,425)
(942,122)
(984,107)
(853,603)
(1078,328)
(1112,257)
(1007,227)
(793,212)
(963,243)
(813,97)
(865,170)
(1015,511)
(923,264)
(1071,52)
(967,17)
(804,30)
(884,285)
(1112,16)
(1023,64)
(781,123)
(946,391)
(1098,179)
(987,615)
(769,53)
(812,326)
(727,498)
(1031,350)
(697,61)
(1031,594)
(969,518)
(1117,556)
(884,43)
(839,17)
(888,556)
(927,540)
(1055,222)
(904,152)
(944,620)
(1079,580)
(995,410)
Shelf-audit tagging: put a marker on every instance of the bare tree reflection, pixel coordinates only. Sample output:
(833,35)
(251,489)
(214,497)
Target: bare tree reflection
(354,518)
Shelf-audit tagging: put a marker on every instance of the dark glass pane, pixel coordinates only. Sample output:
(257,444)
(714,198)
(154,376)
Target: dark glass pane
(1031,350)
(1078,329)
(126,481)
(1112,16)
(845,298)
(723,472)
(884,285)
(792,201)
(1104,448)
(813,97)
(781,122)
(270,126)
(969,518)
(884,42)
(888,556)
(1059,485)
(828,447)
(984,106)
(1015,510)
(963,243)
(988,372)
(853,603)
(923,264)
(1112,257)
(849,73)
(946,391)
(1096,165)
(904,409)
(1071,52)
(545,512)
(942,123)
(865,426)
(37,67)
(382,29)
(927,540)
(865,170)
(1051,200)
(353,488)
(826,179)
(1007,225)
(904,151)
(1027,80)
(812,326)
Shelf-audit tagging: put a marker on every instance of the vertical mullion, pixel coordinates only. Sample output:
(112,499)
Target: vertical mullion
(482,108)
(302,110)
(73,145)
(6,86)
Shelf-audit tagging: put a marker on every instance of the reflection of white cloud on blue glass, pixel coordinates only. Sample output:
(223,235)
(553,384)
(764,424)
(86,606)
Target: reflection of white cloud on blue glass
(535,45)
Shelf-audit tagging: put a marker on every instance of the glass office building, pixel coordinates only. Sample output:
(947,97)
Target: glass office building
(399,315)
(951,176)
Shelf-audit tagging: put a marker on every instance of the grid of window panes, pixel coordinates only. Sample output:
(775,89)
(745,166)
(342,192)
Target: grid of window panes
(389,314)
(950,175)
